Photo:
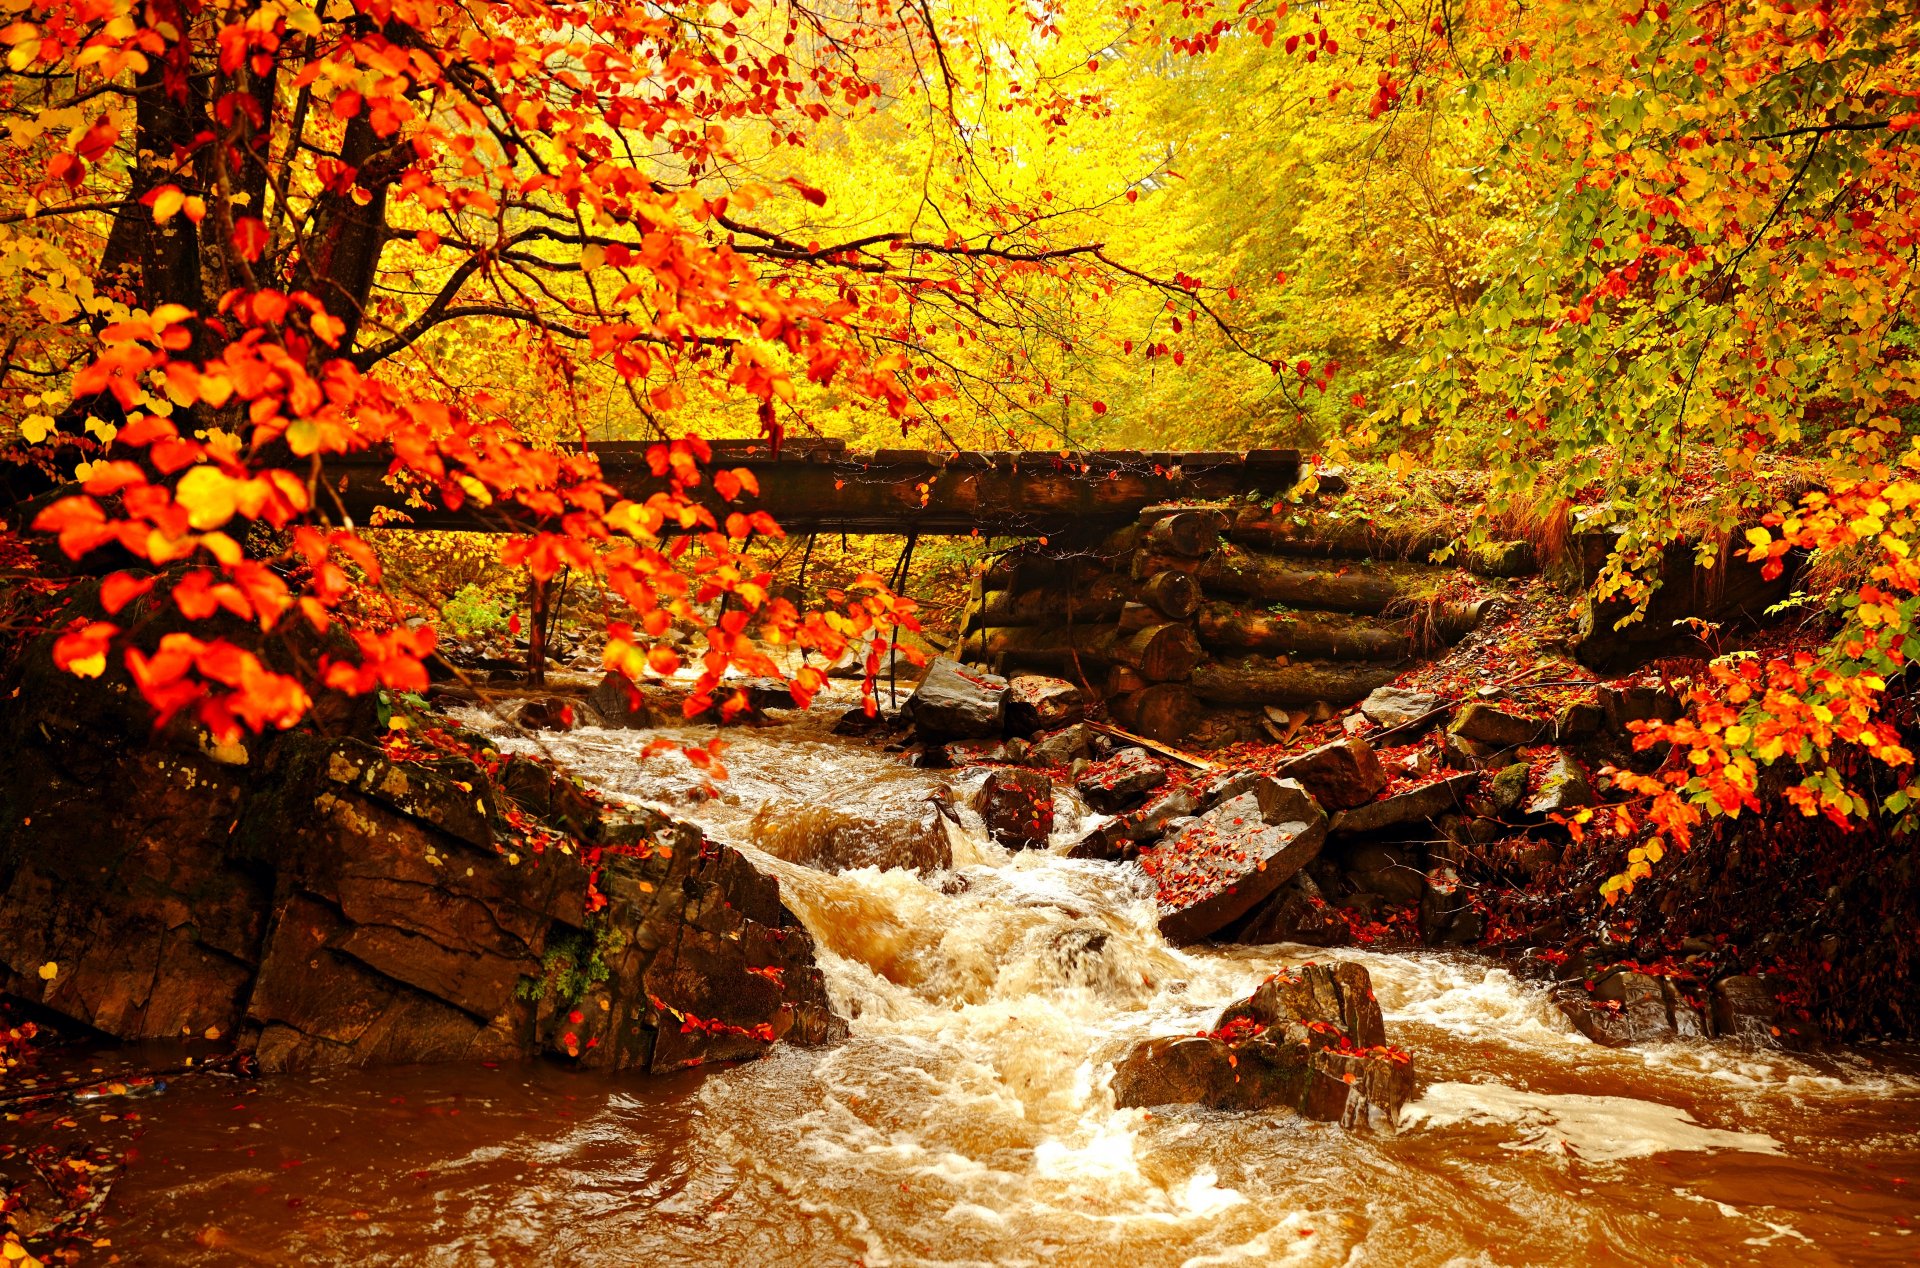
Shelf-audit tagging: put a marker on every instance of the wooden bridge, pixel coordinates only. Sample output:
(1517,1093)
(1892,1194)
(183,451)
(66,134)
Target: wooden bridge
(819,486)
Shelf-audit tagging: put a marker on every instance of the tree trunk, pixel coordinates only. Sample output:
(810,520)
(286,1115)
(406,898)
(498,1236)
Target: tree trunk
(539,595)
(1253,681)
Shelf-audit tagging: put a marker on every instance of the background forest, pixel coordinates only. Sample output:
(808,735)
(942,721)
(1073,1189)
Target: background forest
(1647,267)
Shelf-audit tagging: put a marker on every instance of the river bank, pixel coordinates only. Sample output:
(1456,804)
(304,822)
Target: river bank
(967,1119)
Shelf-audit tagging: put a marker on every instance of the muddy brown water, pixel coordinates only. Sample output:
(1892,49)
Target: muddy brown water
(967,1121)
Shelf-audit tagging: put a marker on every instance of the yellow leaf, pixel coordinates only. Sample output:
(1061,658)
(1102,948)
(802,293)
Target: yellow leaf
(87,667)
(167,202)
(208,494)
(49,971)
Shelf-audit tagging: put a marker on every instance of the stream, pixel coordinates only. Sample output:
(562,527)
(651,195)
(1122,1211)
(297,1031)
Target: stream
(967,1121)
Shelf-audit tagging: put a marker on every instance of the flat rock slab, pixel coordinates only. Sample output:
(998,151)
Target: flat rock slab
(1121,780)
(1398,706)
(1412,806)
(1224,863)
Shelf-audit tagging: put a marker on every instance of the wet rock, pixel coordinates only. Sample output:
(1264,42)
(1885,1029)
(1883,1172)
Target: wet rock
(549,713)
(1308,1040)
(1413,806)
(1510,787)
(1297,912)
(1744,1008)
(1461,753)
(1624,705)
(1120,781)
(1037,703)
(1221,865)
(618,703)
(1576,722)
(1399,706)
(1489,725)
(1385,870)
(1017,807)
(325,906)
(1448,915)
(954,702)
(1340,775)
(1563,787)
(1624,1008)
(970,753)
(1062,747)
(881,722)
(1684,1010)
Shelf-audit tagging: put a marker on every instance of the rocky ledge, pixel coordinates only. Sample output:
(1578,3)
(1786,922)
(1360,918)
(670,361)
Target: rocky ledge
(324,901)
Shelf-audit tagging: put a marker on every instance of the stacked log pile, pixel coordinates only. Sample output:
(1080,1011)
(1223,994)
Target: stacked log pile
(1204,624)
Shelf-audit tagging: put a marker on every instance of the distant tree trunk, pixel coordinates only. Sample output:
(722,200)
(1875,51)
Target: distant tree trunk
(539,604)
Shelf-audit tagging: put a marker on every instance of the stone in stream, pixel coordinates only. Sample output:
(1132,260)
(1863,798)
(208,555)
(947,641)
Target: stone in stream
(1413,806)
(1017,807)
(1038,703)
(954,702)
(1744,1008)
(618,703)
(1062,747)
(1340,775)
(1399,706)
(1624,1008)
(1120,781)
(1309,1040)
(1481,721)
(1563,787)
(549,713)
(1221,865)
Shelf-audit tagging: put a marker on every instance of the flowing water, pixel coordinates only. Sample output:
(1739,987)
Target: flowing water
(967,1121)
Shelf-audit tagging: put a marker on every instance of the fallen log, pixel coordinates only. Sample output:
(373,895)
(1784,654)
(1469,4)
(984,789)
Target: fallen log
(1097,599)
(1224,627)
(1175,594)
(1189,534)
(1254,680)
(1164,712)
(1305,534)
(1234,570)
(1161,653)
(983,645)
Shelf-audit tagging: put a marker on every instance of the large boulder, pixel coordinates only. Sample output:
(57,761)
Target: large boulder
(1017,807)
(1626,1007)
(1222,864)
(1061,748)
(547,713)
(1120,781)
(1744,1008)
(958,703)
(326,904)
(1340,775)
(617,702)
(1309,1040)
(1038,703)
